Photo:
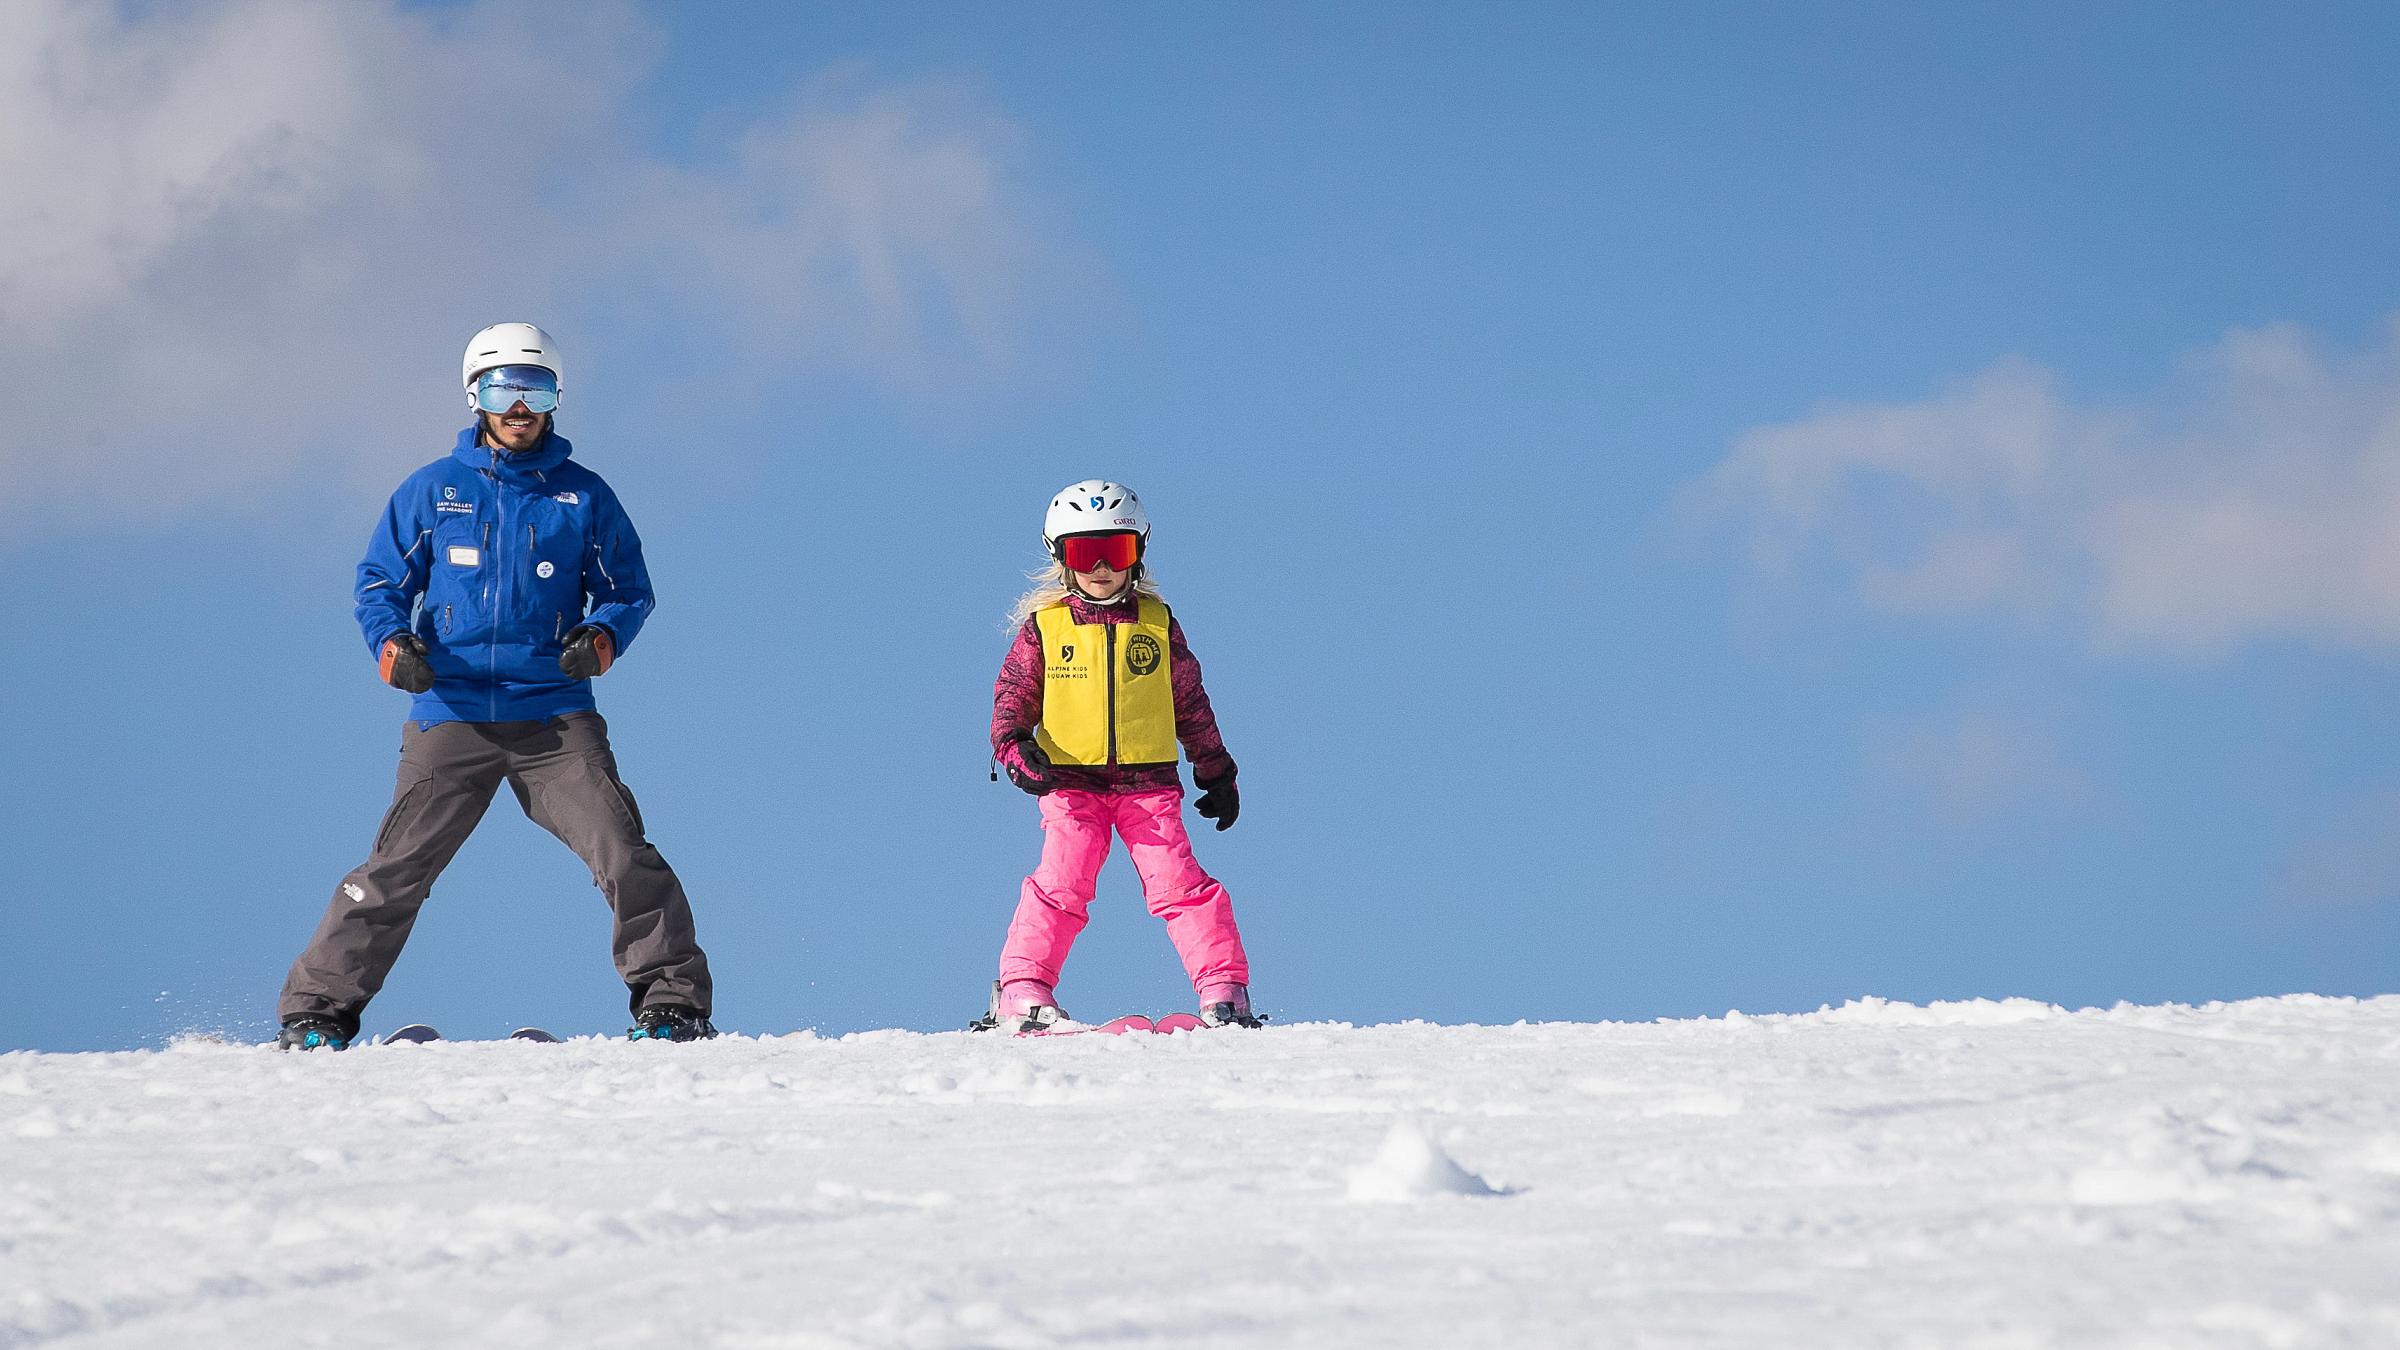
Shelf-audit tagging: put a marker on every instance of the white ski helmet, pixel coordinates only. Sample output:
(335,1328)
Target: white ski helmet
(1093,506)
(510,344)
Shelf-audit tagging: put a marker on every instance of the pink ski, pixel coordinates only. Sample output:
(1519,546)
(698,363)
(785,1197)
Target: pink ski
(1131,1022)
(1116,1027)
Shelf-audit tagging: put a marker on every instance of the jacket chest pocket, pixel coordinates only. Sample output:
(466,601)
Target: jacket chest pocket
(551,544)
(460,562)
(457,576)
(459,545)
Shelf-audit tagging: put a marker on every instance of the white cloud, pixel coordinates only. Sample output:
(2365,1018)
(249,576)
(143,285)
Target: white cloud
(1978,763)
(243,240)
(877,231)
(2258,495)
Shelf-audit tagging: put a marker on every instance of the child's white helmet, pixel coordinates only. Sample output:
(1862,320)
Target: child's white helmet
(1093,506)
(510,344)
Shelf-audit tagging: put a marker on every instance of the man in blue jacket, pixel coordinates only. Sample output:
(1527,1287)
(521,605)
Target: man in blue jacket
(501,581)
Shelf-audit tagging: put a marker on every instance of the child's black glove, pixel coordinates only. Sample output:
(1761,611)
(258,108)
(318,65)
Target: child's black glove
(1027,766)
(1220,801)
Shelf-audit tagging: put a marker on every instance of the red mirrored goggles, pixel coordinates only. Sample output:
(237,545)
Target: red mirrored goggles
(1085,552)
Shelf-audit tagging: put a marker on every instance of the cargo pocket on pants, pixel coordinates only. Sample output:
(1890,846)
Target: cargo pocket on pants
(408,802)
(633,810)
(590,809)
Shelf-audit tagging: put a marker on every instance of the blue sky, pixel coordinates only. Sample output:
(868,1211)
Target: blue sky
(1682,508)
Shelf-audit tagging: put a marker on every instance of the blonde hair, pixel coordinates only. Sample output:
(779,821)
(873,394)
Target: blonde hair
(1052,586)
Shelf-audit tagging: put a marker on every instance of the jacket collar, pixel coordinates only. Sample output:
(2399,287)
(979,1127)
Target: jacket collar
(1127,605)
(525,470)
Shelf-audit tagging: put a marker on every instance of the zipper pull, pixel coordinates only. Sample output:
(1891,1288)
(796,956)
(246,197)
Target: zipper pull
(995,768)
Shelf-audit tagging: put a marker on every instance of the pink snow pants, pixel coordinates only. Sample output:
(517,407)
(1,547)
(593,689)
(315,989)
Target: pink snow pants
(1051,910)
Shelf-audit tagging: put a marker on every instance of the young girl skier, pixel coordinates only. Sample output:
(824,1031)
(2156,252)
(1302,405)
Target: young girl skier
(1090,704)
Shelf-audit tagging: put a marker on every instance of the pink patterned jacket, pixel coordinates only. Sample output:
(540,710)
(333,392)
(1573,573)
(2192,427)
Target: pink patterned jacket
(1017,708)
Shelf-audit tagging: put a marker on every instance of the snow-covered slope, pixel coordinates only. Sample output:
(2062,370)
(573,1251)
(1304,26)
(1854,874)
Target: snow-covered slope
(1985,1174)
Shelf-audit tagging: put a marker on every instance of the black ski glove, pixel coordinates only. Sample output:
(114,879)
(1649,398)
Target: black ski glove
(1027,766)
(1219,801)
(403,664)
(590,652)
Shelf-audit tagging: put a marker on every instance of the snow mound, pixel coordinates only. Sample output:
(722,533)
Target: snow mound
(1975,1012)
(1411,1166)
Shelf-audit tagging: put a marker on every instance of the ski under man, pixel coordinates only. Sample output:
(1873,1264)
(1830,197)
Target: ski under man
(501,580)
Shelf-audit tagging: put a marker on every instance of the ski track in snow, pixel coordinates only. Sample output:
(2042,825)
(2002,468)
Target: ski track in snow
(1961,1175)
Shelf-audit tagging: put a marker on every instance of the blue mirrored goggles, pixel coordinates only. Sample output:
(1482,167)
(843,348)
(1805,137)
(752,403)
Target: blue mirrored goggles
(503,387)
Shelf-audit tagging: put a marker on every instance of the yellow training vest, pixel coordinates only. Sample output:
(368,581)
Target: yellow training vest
(1107,696)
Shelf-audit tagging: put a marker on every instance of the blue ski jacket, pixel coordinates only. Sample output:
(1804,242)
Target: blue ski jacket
(492,559)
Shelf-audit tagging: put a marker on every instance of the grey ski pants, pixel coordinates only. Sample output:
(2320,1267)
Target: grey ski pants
(565,777)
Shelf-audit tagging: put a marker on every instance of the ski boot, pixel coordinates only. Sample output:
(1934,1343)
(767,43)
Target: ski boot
(669,1022)
(1227,1005)
(312,1033)
(1020,1006)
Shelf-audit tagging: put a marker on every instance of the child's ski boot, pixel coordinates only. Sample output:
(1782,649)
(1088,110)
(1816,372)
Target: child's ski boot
(1227,1005)
(312,1033)
(1021,1006)
(669,1022)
